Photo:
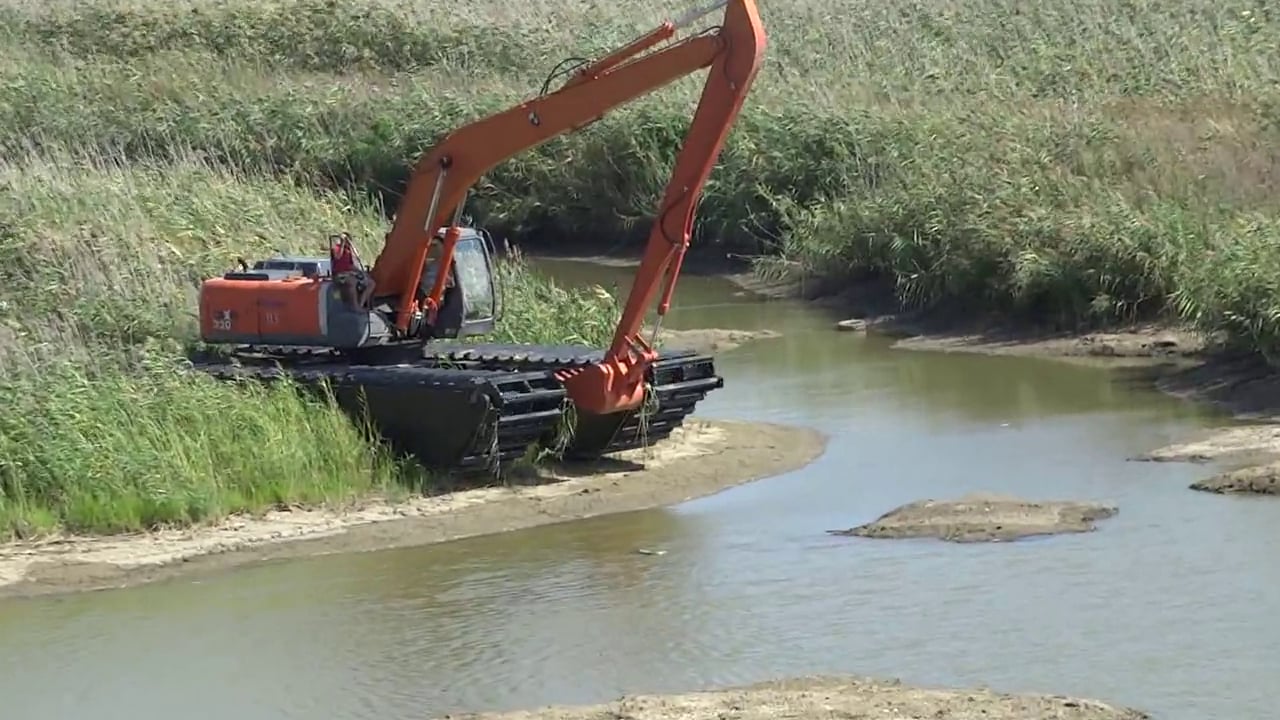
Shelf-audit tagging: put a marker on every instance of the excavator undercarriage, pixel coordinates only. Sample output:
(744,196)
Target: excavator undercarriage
(475,407)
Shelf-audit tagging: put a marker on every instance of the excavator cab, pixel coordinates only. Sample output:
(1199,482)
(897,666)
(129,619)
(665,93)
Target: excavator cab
(469,305)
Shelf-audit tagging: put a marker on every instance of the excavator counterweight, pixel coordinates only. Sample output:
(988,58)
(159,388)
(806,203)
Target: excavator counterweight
(394,342)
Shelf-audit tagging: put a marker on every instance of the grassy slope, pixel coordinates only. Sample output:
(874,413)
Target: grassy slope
(102,431)
(1090,162)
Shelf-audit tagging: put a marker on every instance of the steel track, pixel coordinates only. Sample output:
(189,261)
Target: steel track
(477,407)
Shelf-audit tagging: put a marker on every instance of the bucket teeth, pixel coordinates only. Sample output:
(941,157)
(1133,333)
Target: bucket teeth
(476,407)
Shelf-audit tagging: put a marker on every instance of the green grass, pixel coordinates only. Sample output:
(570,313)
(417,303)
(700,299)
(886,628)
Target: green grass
(108,451)
(103,430)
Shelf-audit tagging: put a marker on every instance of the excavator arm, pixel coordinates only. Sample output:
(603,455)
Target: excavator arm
(443,176)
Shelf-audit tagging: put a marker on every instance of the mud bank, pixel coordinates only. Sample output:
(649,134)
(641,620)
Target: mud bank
(871,307)
(1244,386)
(697,460)
(1177,361)
(828,697)
(1238,444)
(1248,390)
(983,518)
(1136,345)
(1253,449)
(712,340)
(1258,480)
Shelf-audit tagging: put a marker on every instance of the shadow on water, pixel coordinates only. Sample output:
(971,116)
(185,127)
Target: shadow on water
(1163,608)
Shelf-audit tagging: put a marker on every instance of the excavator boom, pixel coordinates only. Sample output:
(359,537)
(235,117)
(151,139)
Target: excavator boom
(445,173)
(377,347)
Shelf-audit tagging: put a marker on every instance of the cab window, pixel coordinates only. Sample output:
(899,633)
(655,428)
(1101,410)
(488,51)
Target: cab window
(472,271)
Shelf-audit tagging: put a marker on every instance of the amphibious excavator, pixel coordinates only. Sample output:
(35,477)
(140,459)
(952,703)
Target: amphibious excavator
(407,361)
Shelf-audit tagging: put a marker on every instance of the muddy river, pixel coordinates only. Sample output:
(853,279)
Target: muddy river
(1163,608)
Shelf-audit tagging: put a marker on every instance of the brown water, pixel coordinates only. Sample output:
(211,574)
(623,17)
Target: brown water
(1164,608)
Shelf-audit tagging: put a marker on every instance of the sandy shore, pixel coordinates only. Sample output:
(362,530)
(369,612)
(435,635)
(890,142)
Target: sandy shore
(1257,480)
(1140,345)
(1238,444)
(1251,453)
(699,459)
(831,698)
(983,517)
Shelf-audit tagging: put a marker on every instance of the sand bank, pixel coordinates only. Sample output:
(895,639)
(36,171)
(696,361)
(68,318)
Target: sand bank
(823,698)
(697,460)
(711,340)
(1257,480)
(983,518)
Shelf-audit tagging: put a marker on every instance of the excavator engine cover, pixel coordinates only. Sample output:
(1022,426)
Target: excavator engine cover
(287,300)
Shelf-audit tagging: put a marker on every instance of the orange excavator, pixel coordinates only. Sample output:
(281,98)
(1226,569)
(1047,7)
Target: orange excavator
(391,341)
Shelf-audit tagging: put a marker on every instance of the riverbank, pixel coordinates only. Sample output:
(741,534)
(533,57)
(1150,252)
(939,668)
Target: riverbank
(699,459)
(1175,360)
(871,307)
(824,697)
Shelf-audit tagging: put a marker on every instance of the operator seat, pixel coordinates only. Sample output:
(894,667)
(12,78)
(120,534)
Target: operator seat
(449,317)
